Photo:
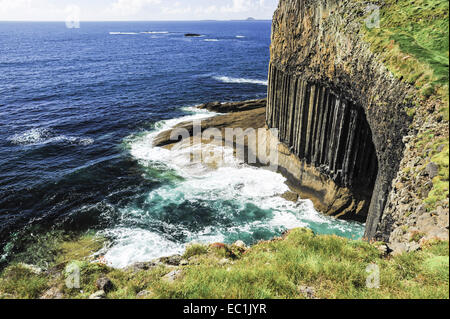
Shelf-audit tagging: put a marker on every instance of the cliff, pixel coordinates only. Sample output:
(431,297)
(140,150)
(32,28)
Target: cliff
(347,118)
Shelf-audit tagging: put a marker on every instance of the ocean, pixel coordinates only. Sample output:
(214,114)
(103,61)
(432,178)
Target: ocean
(78,111)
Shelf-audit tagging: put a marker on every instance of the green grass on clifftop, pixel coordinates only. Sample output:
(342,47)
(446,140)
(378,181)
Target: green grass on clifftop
(330,266)
(413,43)
(413,40)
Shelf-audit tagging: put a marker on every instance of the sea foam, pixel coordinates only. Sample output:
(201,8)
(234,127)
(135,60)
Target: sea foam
(40,136)
(245,202)
(227,79)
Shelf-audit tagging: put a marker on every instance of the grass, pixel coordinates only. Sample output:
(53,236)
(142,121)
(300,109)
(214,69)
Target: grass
(333,266)
(413,43)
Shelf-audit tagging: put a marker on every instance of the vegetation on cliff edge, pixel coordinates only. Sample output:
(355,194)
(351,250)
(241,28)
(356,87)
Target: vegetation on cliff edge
(299,265)
(413,42)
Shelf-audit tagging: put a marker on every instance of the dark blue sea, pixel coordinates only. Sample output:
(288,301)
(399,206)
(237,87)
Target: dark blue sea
(78,110)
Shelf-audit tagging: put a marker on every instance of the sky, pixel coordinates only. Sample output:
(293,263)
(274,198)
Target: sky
(127,10)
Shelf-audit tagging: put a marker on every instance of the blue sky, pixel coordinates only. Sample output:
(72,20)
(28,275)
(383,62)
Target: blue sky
(89,10)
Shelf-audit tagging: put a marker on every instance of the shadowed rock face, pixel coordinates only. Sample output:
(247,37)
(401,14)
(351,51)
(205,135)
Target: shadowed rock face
(328,132)
(228,107)
(337,108)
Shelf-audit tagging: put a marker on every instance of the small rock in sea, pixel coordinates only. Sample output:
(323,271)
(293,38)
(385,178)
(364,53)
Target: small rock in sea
(98,295)
(104,284)
(192,35)
(172,276)
(290,196)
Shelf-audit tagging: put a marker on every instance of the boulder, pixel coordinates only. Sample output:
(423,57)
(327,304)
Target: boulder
(104,284)
(172,276)
(240,244)
(432,169)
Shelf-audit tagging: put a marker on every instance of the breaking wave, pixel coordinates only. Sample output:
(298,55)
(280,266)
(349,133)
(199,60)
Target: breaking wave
(233,201)
(227,79)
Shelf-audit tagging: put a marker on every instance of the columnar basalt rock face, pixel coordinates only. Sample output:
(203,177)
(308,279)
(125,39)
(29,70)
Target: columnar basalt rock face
(323,129)
(337,108)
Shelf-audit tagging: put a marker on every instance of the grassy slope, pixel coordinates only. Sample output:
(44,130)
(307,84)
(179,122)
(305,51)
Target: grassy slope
(413,42)
(334,267)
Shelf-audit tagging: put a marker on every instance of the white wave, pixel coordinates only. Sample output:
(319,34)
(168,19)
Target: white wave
(240,36)
(233,181)
(123,33)
(138,245)
(39,136)
(211,40)
(154,32)
(227,79)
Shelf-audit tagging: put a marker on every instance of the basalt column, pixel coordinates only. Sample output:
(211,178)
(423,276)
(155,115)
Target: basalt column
(339,111)
(327,132)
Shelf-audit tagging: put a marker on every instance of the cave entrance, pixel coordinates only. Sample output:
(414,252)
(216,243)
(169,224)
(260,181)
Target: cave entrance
(328,132)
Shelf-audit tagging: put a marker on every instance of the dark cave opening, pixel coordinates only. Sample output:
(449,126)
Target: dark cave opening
(327,131)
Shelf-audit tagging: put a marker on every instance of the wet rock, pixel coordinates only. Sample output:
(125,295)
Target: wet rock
(290,196)
(104,284)
(192,35)
(234,106)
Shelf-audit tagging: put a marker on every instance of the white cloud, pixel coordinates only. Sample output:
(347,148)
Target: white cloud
(240,6)
(137,9)
(131,7)
(7,5)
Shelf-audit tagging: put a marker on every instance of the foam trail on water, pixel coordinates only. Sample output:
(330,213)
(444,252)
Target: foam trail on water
(41,136)
(123,33)
(154,32)
(227,79)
